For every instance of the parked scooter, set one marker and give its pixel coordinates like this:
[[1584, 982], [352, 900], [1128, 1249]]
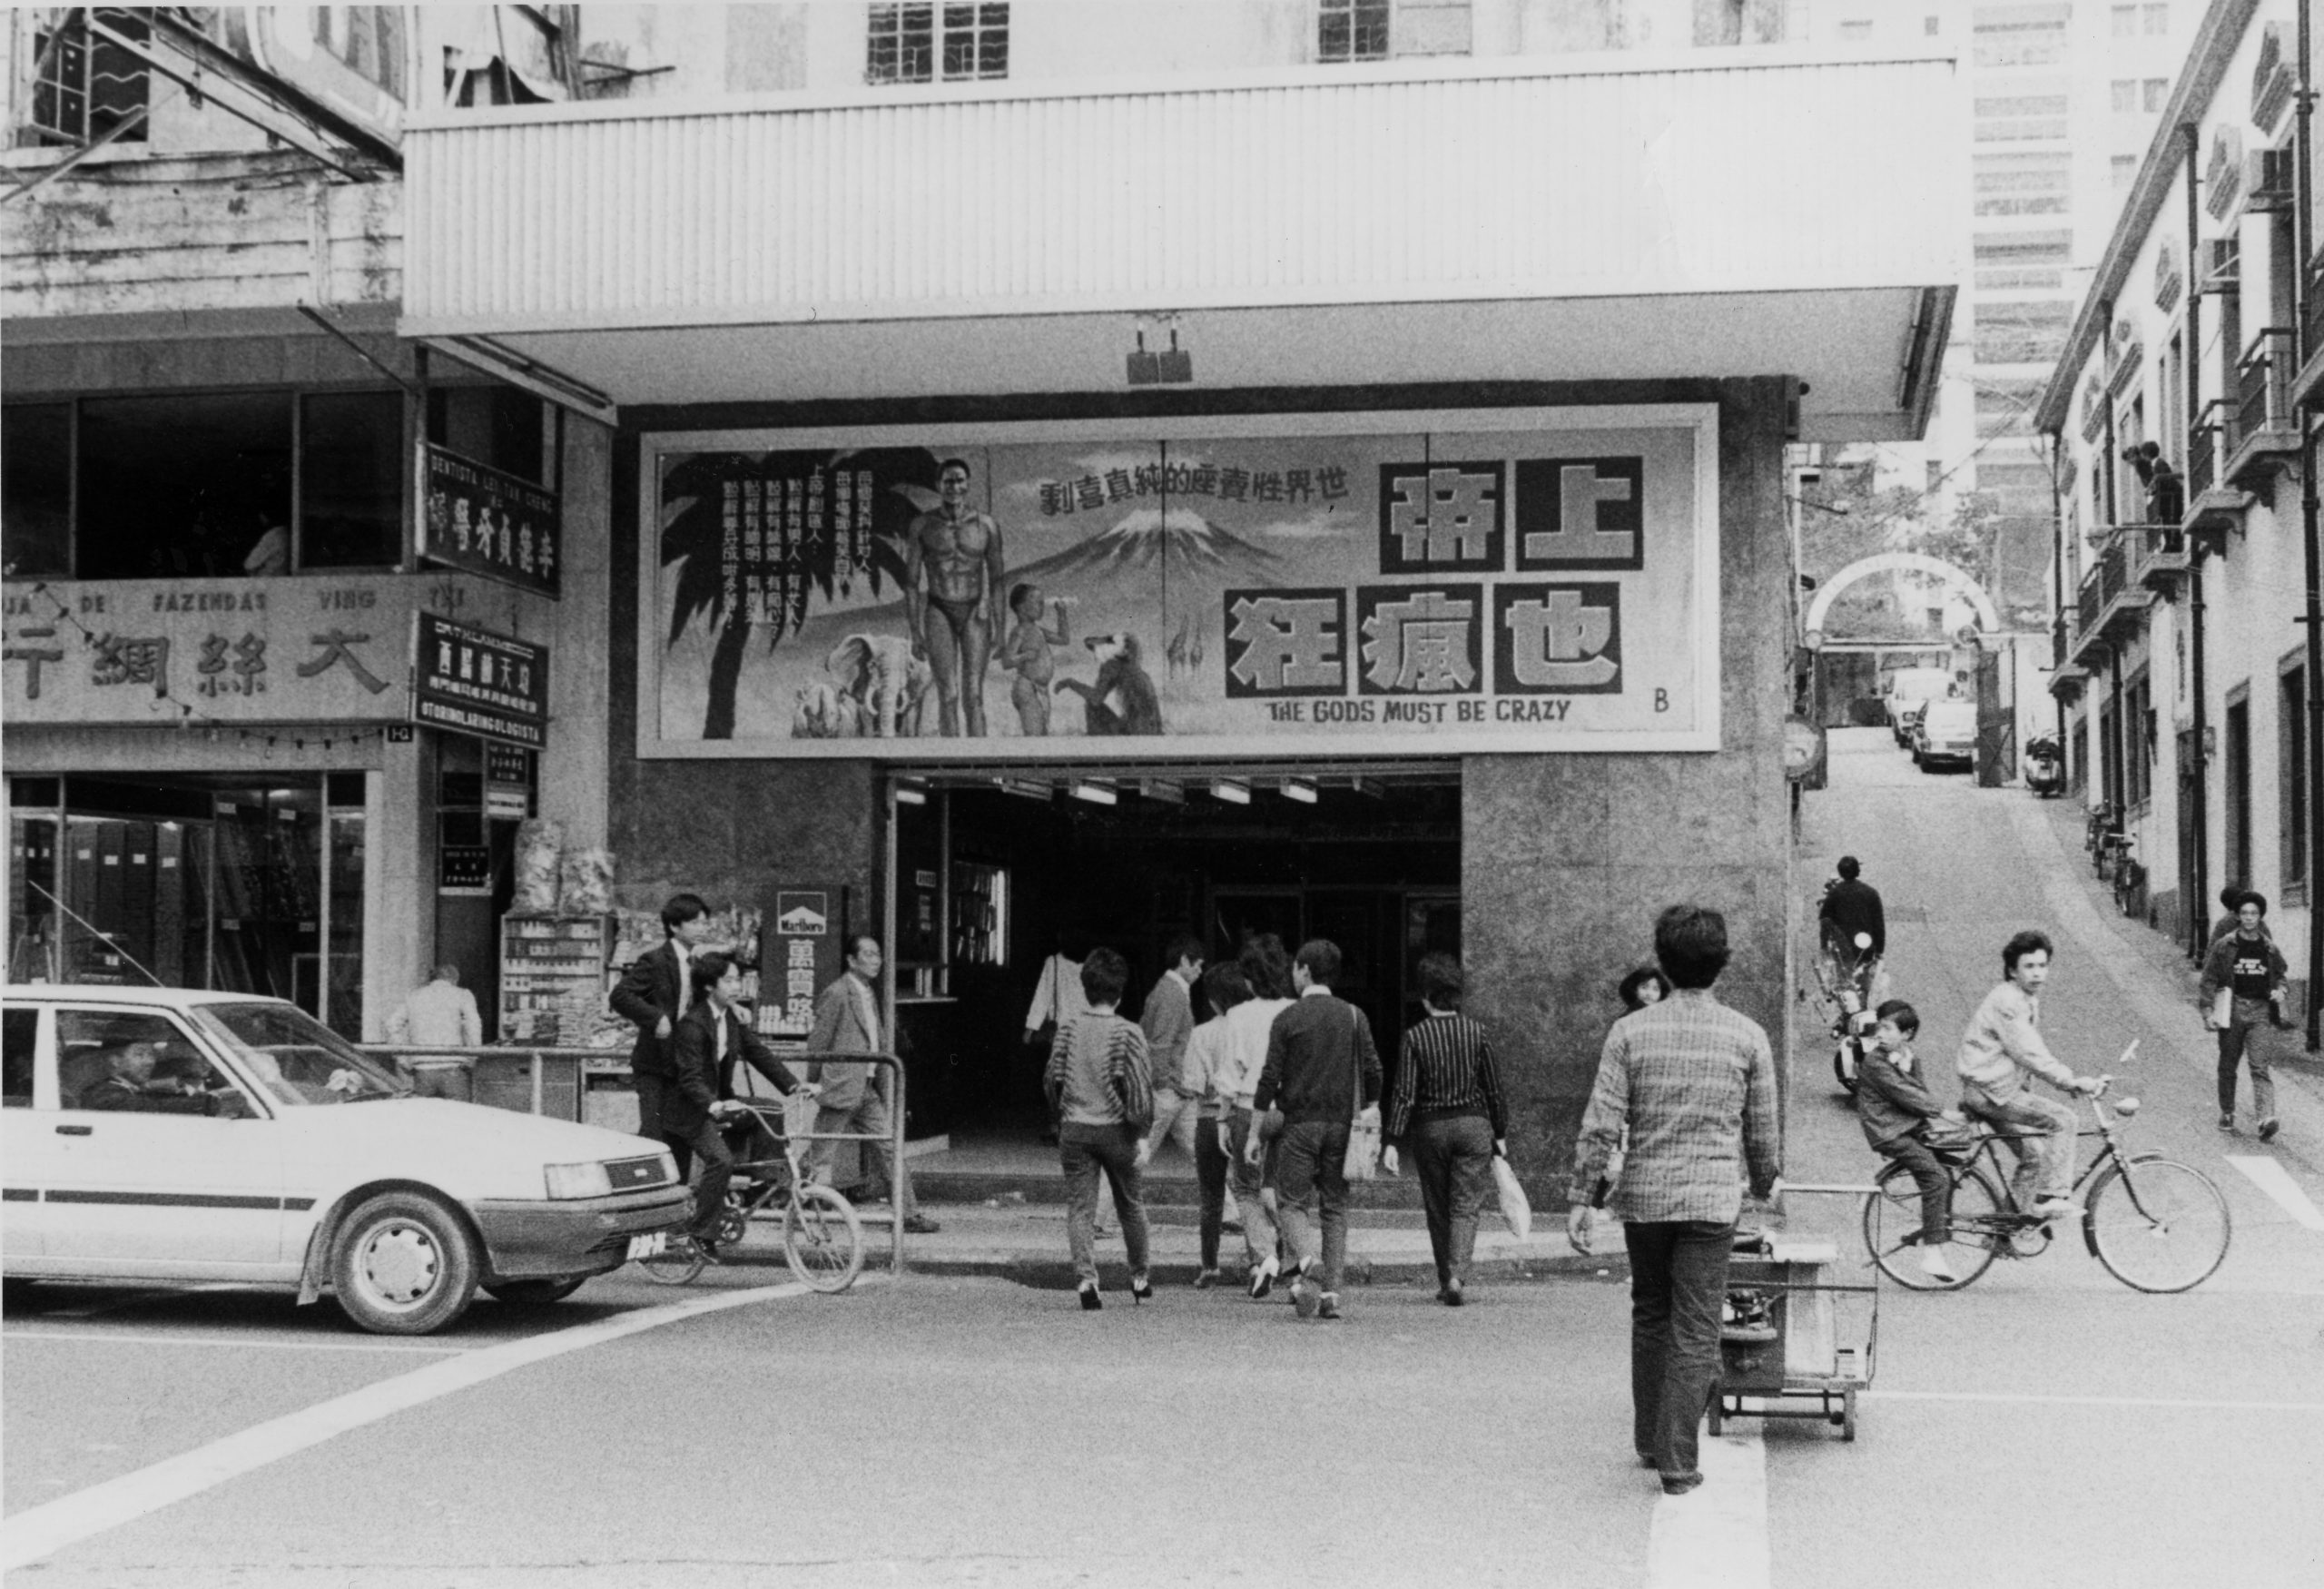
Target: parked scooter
[[2045, 770], [1845, 974]]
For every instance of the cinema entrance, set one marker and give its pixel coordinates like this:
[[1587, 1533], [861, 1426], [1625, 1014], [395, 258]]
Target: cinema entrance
[[1005, 879]]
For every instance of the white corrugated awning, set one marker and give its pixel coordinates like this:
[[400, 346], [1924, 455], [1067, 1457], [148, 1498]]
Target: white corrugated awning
[[1605, 219]]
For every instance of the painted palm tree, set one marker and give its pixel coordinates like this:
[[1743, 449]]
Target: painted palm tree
[[693, 494]]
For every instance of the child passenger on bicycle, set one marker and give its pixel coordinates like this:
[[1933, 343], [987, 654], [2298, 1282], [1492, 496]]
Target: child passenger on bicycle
[[1897, 1109]]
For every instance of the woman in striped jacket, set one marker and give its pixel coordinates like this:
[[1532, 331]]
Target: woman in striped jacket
[[1447, 1106]]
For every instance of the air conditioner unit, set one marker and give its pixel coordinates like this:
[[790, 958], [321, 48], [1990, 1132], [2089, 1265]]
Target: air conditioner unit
[[2222, 264], [2268, 176]]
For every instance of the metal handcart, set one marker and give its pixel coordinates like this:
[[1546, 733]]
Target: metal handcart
[[1796, 1341]]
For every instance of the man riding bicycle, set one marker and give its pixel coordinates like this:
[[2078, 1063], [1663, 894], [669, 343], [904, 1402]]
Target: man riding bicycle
[[2001, 1050]]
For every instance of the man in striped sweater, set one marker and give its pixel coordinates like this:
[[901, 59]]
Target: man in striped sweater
[[1322, 1068]]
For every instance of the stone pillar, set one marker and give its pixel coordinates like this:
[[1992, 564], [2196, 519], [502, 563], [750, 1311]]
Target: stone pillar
[[574, 770]]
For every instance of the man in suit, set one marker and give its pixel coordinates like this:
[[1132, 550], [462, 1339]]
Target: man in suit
[[707, 1040], [847, 1022], [653, 994]]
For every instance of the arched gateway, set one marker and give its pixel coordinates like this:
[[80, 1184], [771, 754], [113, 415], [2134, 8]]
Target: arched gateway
[[1988, 616]]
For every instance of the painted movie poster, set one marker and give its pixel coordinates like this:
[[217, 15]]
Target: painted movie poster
[[1327, 585]]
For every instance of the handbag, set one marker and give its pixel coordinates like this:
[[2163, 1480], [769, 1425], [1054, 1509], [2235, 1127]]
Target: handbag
[[1513, 1205], [1362, 1159]]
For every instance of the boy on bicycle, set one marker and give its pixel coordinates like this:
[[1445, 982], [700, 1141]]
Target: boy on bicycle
[[1896, 1108], [2001, 1050]]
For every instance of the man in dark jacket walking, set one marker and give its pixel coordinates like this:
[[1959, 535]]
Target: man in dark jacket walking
[[1851, 908], [1321, 1068]]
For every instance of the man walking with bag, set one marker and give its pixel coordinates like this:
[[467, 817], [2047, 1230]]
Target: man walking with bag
[[1695, 1084], [847, 1022], [1324, 1071]]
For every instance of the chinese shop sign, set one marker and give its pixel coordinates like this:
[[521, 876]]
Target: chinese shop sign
[[180, 652], [802, 955], [1458, 582], [481, 520], [480, 683]]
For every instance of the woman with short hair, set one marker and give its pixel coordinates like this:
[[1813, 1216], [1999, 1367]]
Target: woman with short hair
[[1447, 1106]]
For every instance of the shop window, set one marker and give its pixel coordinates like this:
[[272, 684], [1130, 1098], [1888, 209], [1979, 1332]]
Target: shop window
[[350, 484], [937, 42], [502, 425], [179, 485], [1352, 30], [87, 85], [36, 489], [19, 1041]]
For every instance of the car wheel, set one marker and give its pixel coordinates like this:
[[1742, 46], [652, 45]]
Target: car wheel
[[403, 1265], [536, 1293]]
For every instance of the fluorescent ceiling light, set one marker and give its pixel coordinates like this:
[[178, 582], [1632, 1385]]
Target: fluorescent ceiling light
[[1300, 789], [1094, 792], [1233, 790], [1023, 788], [1166, 792], [911, 792]]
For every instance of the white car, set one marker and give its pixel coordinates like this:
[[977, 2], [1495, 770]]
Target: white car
[[165, 1134]]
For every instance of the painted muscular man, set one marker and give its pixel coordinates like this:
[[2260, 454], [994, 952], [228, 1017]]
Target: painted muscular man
[[952, 563]]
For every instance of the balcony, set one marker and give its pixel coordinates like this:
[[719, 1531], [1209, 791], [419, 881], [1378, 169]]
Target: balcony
[[2214, 506], [2111, 607], [2267, 431], [2311, 373], [2159, 559]]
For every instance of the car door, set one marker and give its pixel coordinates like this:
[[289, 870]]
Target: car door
[[139, 1191], [27, 1144]]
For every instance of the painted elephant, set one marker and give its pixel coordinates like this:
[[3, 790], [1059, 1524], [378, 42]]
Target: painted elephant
[[885, 680]]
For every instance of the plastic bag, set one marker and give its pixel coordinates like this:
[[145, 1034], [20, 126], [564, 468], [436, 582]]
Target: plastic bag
[[1513, 1205], [589, 878], [538, 844]]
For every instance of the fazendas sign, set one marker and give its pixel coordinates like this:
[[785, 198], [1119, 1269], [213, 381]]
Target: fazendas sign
[[1457, 582]]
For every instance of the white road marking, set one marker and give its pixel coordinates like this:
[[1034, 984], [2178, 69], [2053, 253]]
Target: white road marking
[[40, 1531], [2188, 1403], [240, 1343], [1716, 1536], [2272, 1178]]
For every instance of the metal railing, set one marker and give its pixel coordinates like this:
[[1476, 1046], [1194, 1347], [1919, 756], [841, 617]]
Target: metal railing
[[543, 1058], [2263, 384], [2209, 440]]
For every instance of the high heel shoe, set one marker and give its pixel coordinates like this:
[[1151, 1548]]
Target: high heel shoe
[[1090, 1302], [1141, 1290]]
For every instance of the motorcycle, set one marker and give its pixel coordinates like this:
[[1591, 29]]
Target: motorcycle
[[1845, 974], [2045, 772]]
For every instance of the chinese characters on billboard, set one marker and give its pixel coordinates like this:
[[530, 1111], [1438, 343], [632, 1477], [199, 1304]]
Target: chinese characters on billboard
[[480, 683], [1545, 580], [483, 521]]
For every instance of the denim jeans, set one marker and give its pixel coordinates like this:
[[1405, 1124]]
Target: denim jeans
[[1935, 1184], [1084, 1150], [1210, 1183], [1251, 1191], [2239, 1039], [2041, 1133], [1307, 1164], [1175, 1115], [1677, 1281], [1453, 1158]]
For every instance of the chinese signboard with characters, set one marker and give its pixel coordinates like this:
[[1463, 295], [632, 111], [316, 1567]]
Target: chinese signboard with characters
[[484, 521], [172, 653], [480, 683], [799, 958], [1458, 582]]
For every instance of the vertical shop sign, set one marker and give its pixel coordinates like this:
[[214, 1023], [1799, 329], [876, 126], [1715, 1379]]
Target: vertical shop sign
[[482, 520], [509, 782], [479, 682], [806, 957]]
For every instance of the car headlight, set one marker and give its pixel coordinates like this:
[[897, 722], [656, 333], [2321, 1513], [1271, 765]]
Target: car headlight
[[580, 1180]]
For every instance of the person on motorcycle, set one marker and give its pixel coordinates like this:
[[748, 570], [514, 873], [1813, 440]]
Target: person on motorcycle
[[1852, 906], [2000, 1050], [1895, 1106]]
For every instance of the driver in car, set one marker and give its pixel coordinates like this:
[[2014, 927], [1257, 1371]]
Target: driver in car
[[131, 1085]]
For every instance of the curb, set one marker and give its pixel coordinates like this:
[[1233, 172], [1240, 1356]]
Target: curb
[[1047, 1269]]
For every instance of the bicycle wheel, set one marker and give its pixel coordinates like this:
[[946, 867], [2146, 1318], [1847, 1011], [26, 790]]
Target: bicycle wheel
[[678, 1262], [822, 1238], [2158, 1225], [1892, 1221]]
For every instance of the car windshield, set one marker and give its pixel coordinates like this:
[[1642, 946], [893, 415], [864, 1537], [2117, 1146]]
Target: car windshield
[[1952, 717], [296, 1057]]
